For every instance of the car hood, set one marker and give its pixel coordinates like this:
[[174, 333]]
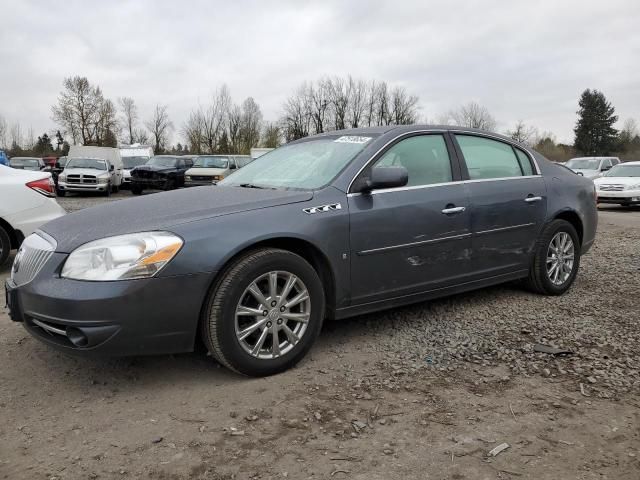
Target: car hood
[[161, 211], [206, 171], [152, 168], [86, 171], [617, 181], [587, 173]]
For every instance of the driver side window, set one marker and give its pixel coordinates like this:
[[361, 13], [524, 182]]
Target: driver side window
[[424, 156]]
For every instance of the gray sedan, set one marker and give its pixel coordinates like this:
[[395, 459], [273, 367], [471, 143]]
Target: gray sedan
[[326, 227]]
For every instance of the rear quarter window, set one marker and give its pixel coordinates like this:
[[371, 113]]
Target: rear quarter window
[[486, 158]]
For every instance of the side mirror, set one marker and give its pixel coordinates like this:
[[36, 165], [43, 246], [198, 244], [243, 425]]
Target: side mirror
[[386, 177], [604, 169], [232, 166], [111, 168]]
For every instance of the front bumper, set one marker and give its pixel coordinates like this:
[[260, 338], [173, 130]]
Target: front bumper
[[82, 187], [149, 182], [622, 196], [121, 318]]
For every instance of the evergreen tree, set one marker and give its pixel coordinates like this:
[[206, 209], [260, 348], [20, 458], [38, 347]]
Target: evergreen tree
[[594, 130], [43, 146]]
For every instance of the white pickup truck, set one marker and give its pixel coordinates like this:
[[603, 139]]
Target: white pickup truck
[[91, 169]]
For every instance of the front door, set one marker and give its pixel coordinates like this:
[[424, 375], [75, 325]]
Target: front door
[[415, 238], [508, 204]]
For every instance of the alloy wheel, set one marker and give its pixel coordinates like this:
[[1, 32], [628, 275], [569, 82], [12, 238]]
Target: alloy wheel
[[272, 314], [560, 258]]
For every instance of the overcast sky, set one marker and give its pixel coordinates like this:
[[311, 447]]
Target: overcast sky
[[522, 60]]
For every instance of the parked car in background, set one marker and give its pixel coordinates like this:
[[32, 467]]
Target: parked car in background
[[210, 169], [91, 169], [591, 167], [133, 156], [334, 225], [26, 203], [258, 152], [164, 172], [620, 185], [34, 164], [50, 162], [4, 160]]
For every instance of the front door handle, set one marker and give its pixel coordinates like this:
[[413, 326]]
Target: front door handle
[[450, 210], [532, 199]]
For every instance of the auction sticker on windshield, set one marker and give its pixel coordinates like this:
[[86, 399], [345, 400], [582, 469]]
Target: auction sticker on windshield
[[352, 139]]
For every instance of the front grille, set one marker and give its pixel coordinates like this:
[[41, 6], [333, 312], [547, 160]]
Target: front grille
[[33, 254], [86, 179], [201, 178], [612, 188]]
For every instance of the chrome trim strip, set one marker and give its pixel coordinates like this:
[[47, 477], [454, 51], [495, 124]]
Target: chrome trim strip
[[458, 182], [504, 229], [49, 328], [453, 132], [413, 244]]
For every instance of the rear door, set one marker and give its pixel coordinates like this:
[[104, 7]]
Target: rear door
[[414, 238], [508, 203]]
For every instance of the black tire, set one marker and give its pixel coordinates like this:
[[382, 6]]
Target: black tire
[[218, 329], [5, 245], [107, 192], [136, 189], [61, 193], [538, 279]]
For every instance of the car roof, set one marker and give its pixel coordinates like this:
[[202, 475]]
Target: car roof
[[635, 163], [410, 128]]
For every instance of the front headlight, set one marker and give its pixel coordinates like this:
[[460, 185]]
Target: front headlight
[[125, 257], [103, 179], [62, 177], [187, 178], [633, 187]]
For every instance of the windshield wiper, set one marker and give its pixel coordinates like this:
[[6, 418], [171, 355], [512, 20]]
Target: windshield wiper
[[252, 185]]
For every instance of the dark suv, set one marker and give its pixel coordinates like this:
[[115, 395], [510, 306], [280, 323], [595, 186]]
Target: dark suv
[[164, 172]]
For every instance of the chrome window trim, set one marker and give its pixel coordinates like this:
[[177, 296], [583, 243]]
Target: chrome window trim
[[453, 132], [457, 182]]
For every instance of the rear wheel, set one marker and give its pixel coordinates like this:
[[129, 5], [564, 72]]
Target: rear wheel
[[264, 314], [169, 184], [5, 245], [557, 259]]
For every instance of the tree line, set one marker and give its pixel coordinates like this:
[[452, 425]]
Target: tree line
[[85, 116]]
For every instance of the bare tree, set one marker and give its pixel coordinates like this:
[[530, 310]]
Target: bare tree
[[15, 136], [234, 128], [251, 125], [140, 135], [193, 131], [523, 133], [271, 136], [214, 117], [78, 109], [3, 132], [129, 116], [160, 127], [473, 115], [296, 119]]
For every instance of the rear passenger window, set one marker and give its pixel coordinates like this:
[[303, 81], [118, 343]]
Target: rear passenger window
[[486, 158], [425, 157], [525, 162]]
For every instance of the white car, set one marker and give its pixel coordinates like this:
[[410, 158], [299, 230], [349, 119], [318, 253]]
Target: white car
[[620, 185], [26, 202], [592, 167]]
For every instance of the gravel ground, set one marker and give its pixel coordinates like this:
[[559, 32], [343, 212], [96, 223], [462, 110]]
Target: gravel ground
[[420, 392]]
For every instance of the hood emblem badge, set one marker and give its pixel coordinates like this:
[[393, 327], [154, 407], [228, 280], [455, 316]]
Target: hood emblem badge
[[322, 208]]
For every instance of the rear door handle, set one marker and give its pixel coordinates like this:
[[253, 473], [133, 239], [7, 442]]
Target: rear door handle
[[532, 199], [449, 211]]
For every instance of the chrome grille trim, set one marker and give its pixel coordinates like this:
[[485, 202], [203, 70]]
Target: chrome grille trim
[[34, 252], [612, 188]]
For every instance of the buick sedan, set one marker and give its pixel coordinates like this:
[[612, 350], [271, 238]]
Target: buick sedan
[[326, 227]]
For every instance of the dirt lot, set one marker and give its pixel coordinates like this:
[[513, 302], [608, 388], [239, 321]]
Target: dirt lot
[[421, 392]]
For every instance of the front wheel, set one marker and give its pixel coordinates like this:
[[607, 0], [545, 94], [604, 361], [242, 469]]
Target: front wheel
[[5, 245], [265, 312], [557, 259], [136, 189]]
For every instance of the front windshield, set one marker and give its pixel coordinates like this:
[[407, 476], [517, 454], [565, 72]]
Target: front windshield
[[162, 161], [308, 165], [130, 162], [583, 164], [94, 163], [211, 162], [624, 171], [25, 163]]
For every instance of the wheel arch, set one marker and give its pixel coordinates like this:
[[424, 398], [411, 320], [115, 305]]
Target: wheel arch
[[574, 219]]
